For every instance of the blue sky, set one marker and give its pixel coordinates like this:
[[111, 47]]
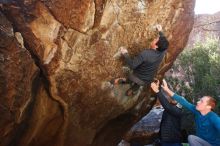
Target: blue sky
[[207, 6]]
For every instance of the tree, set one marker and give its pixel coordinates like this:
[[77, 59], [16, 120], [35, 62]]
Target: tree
[[198, 71]]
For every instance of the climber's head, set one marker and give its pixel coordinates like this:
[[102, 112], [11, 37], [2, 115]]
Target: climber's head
[[162, 44], [159, 43], [153, 44]]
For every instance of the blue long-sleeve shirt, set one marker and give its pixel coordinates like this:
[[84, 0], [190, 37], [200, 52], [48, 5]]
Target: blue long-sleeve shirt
[[207, 126]]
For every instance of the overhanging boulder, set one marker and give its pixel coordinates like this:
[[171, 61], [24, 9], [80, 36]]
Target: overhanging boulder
[[72, 44]]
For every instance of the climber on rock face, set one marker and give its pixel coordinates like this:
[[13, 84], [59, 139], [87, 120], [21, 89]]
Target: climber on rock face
[[145, 64]]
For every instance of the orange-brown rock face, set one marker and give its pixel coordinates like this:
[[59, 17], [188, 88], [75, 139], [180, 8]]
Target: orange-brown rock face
[[55, 55], [17, 74]]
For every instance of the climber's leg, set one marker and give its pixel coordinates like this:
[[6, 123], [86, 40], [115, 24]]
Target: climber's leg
[[119, 81], [132, 90]]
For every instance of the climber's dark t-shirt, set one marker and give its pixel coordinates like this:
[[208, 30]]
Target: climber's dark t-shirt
[[145, 65]]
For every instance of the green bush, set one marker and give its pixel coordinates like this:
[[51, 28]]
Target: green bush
[[200, 67]]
